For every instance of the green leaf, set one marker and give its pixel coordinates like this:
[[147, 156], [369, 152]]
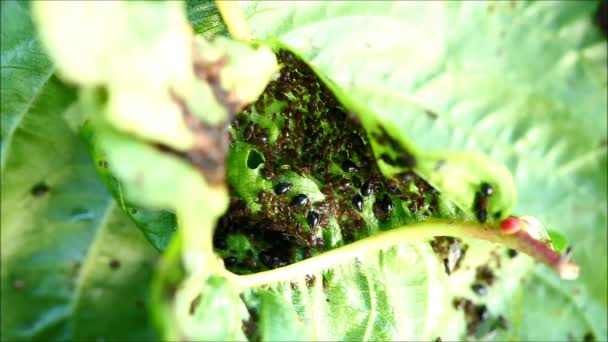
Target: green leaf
[[205, 18], [61, 232], [516, 80]]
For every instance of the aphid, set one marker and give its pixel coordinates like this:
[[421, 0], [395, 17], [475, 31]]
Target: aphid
[[511, 225], [406, 160], [356, 141], [482, 215], [357, 202], [39, 189], [502, 323], [312, 218], [300, 200], [386, 204], [479, 289], [387, 159], [482, 312], [349, 166], [282, 188], [512, 253], [367, 189], [356, 182], [486, 189], [229, 261], [393, 189], [438, 339], [307, 253]]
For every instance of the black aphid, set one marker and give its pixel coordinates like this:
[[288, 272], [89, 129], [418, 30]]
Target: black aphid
[[349, 166], [282, 187], [300, 200], [479, 289], [387, 159], [367, 189], [357, 202], [446, 266], [220, 243], [406, 160], [39, 189], [386, 204], [502, 323], [482, 312], [486, 189], [229, 261], [393, 189], [482, 215], [313, 219], [512, 253]]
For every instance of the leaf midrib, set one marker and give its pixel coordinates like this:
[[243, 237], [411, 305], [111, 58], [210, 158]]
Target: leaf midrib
[[19, 119], [87, 263]]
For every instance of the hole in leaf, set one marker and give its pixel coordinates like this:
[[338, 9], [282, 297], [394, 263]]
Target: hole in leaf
[[254, 159]]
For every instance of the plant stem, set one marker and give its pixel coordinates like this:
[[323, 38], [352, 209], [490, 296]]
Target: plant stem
[[235, 20], [521, 241]]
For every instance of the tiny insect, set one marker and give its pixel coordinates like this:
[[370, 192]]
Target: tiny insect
[[406, 160], [482, 312], [482, 215], [387, 204], [229, 261], [357, 202], [486, 189], [313, 219], [282, 188], [393, 189], [479, 289], [300, 200], [367, 189], [349, 166]]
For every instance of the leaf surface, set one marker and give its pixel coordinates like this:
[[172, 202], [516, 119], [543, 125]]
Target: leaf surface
[[68, 255], [523, 82]]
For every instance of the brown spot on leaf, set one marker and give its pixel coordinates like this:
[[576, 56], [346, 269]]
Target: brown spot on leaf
[[114, 264], [194, 304], [431, 114], [19, 284]]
